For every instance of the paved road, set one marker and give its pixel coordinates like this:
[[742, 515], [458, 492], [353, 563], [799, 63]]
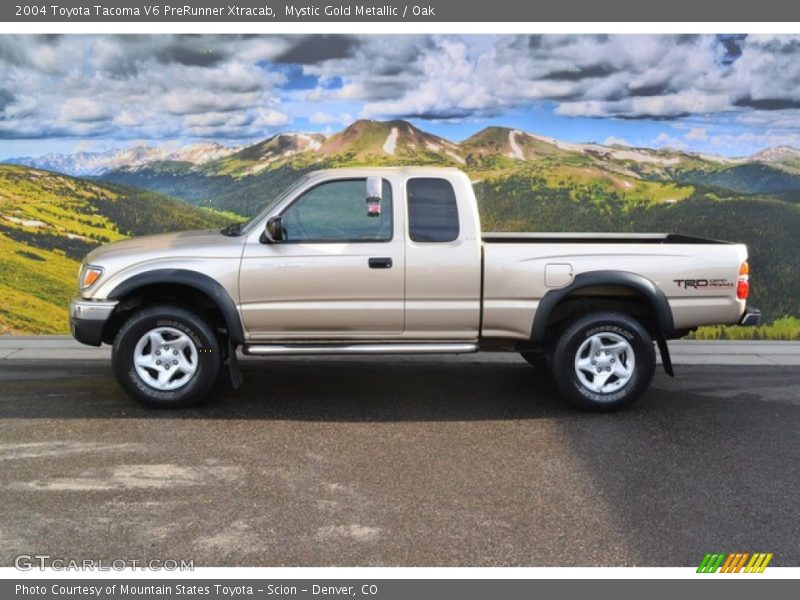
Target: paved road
[[423, 461], [683, 352]]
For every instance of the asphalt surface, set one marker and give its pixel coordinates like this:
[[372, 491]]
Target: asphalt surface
[[683, 352], [399, 461]]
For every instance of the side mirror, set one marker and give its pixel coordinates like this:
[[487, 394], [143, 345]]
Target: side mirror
[[273, 231], [374, 196]]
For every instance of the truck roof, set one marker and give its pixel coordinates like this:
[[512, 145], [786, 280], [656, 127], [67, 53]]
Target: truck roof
[[416, 171]]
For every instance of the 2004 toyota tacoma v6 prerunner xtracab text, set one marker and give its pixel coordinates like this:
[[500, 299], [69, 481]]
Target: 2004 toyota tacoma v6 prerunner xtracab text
[[390, 261]]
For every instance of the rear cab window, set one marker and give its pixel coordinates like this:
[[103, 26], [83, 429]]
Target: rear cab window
[[432, 210]]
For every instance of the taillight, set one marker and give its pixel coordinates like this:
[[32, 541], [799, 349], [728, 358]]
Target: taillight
[[743, 286]]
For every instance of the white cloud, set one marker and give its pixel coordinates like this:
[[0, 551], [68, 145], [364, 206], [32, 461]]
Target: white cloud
[[82, 110], [590, 76], [664, 140], [753, 141], [454, 84], [211, 119], [140, 86], [24, 107], [627, 76], [615, 141], [270, 117], [696, 134], [323, 118], [666, 106], [180, 102]]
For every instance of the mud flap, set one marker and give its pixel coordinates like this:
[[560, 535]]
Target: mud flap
[[233, 366], [666, 361]]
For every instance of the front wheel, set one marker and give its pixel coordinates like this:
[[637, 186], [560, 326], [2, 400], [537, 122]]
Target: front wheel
[[166, 357], [604, 361]]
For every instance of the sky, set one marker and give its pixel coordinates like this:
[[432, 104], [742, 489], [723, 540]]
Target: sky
[[731, 95]]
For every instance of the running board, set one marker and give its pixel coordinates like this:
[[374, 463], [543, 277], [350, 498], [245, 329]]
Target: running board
[[311, 349]]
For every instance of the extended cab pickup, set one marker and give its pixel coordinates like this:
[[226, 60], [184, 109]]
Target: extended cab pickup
[[392, 260]]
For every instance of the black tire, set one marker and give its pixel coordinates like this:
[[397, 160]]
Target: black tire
[[207, 360], [539, 360], [579, 336]]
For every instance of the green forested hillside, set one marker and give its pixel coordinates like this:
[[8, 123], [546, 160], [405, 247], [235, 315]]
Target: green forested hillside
[[243, 195], [749, 178], [48, 222]]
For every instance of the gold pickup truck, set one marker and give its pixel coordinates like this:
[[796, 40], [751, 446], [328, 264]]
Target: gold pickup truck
[[393, 261]]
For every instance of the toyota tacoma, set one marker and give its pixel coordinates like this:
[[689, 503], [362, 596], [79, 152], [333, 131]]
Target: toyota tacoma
[[370, 261]]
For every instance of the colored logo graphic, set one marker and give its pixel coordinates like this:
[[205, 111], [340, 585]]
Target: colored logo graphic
[[735, 562]]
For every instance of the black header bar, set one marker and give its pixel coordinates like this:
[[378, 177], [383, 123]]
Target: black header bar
[[315, 11]]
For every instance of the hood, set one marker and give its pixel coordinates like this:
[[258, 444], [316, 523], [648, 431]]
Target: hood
[[207, 242]]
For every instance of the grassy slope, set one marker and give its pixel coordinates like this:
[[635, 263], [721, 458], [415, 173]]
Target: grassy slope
[[783, 329], [49, 221]]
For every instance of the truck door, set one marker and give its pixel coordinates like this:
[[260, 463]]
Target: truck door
[[443, 260], [339, 273]]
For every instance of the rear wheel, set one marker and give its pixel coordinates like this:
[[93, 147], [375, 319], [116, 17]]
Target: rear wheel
[[166, 357], [604, 361]]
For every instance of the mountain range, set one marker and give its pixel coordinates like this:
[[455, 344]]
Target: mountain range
[[399, 141], [81, 164], [237, 181]]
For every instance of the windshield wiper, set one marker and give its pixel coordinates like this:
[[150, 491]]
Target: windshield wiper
[[232, 230]]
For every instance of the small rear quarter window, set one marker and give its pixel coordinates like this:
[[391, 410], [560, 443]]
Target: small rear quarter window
[[432, 210]]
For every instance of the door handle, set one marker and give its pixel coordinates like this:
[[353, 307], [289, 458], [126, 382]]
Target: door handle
[[383, 262]]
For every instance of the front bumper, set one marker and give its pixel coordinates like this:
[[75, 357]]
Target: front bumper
[[751, 317], [87, 319]]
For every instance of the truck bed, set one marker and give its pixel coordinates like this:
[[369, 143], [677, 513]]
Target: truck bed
[[520, 268], [594, 238]]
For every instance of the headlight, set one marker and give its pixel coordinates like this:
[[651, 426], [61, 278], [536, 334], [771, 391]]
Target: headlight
[[89, 276]]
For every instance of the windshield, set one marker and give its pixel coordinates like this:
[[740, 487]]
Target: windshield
[[243, 228]]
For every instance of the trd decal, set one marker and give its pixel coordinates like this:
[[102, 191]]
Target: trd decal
[[703, 283]]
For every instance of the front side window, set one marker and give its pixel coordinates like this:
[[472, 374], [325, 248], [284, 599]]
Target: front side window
[[432, 210], [336, 211]]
